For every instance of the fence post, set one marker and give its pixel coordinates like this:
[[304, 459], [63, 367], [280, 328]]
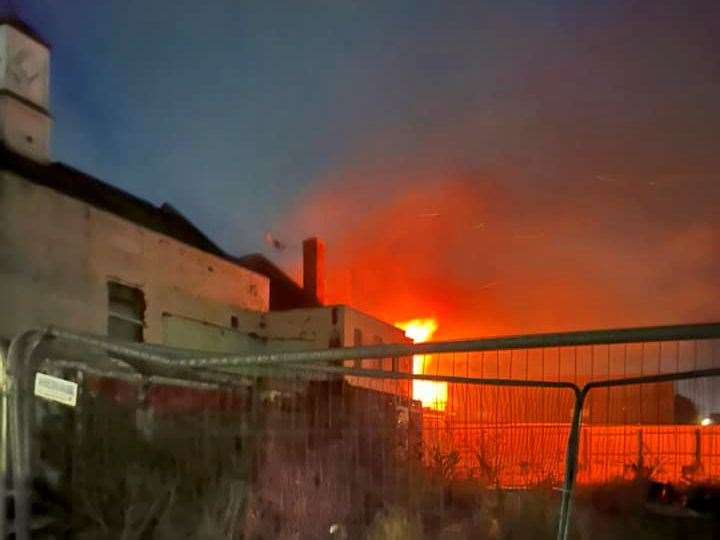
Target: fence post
[[571, 460], [19, 387], [4, 346]]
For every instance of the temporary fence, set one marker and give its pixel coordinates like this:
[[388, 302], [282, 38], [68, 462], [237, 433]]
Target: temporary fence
[[525, 455], [305, 444]]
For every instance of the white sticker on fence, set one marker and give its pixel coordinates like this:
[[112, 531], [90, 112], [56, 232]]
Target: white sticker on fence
[[56, 389]]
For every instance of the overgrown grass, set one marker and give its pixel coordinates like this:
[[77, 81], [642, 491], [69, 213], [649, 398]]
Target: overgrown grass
[[280, 470]]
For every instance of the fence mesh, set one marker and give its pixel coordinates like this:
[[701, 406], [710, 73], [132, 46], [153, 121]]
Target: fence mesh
[[294, 455], [647, 480], [357, 449]]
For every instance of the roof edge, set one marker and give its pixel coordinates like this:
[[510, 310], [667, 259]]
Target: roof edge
[[21, 26]]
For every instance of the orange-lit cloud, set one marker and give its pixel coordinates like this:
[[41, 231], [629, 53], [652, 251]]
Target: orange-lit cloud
[[485, 255]]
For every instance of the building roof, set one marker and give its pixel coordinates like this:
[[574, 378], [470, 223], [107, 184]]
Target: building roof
[[83, 187], [285, 293], [9, 15], [164, 219]]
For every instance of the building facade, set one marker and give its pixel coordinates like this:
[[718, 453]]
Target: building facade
[[80, 253]]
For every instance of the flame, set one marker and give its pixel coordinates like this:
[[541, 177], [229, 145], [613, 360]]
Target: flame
[[419, 330], [431, 394]]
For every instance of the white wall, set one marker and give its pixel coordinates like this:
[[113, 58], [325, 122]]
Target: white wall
[[57, 254], [189, 333], [314, 326], [322, 326], [24, 71], [24, 129], [319, 327], [20, 52], [373, 330]]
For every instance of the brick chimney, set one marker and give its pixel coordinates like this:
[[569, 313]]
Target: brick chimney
[[314, 268]]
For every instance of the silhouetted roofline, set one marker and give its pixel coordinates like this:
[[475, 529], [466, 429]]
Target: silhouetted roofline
[[13, 20], [103, 196], [288, 294], [165, 219]]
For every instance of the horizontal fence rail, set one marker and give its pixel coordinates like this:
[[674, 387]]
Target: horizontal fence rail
[[530, 341], [495, 409]]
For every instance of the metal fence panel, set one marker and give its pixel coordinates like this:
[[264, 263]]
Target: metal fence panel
[[486, 441], [309, 452], [647, 480]]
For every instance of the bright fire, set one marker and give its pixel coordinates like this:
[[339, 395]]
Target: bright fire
[[431, 394]]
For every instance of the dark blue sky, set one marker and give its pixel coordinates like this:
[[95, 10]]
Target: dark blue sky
[[243, 113]]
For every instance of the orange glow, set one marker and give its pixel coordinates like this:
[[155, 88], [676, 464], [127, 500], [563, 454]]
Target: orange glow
[[431, 394], [419, 330], [607, 453]]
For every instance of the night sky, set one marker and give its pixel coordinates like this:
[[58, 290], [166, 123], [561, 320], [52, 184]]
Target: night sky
[[503, 166]]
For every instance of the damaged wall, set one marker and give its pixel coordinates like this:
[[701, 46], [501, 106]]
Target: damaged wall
[[189, 333], [322, 327], [58, 255]]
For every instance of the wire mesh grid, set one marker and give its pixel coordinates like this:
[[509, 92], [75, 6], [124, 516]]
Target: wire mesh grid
[[306, 453], [476, 444]]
